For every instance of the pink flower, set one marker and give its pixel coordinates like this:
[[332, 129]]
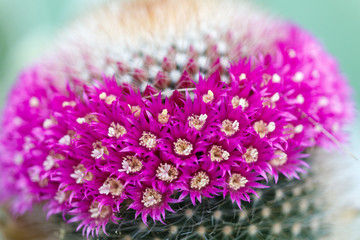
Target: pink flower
[[240, 182], [153, 202], [199, 180]]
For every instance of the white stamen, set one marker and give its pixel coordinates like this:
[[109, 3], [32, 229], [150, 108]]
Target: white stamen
[[251, 155], [298, 77], [102, 96], [166, 172], [151, 197], [97, 153], [60, 197], [68, 103], [242, 76], [208, 97], [34, 102], [299, 128], [300, 99], [49, 163], [48, 123], [80, 120], [18, 159], [276, 78], [34, 173], [292, 53], [275, 97], [65, 140], [323, 102], [183, 147]]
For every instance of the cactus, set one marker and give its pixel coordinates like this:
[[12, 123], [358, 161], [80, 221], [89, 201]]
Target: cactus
[[287, 210], [195, 133]]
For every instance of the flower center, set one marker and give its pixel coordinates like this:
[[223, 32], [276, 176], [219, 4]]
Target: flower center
[[108, 99], [81, 174], [89, 118], [263, 129], [104, 212], [112, 186], [65, 140], [135, 109], [199, 181], [116, 130], [68, 103], [270, 101], [163, 117], [182, 147], [62, 196], [230, 127], [148, 140], [167, 172], [290, 130], [239, 102], [251, 155], [280, 158], [208, 97], [151, 197], [237, 181], [218, 154], [197, 121], [99, 150], [131, 164], [49, 163]]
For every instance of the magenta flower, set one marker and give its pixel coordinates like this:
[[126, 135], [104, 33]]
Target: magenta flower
[[153, 202], [92, 215], [210, 90], [288, 162], [165, 171], [182, 145], [197, 116], [202, 179], [222, 154], [240, 182], [145, 138]]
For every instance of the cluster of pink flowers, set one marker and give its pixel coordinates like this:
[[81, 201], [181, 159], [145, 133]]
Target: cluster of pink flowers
[[87, 150]]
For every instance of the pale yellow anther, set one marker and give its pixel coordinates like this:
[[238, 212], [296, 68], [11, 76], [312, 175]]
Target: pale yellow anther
[[242, 76], [276, 78], [279, 159], [237, 181], [229, 127], [151, 197], [148, 140], [208, 97], [183, 147], [163, 117], [251, 155], [102, 95], [116, 130], [197, 121], [135, 109], [218, 154], [112, 186], [263, 129], [166, 172], [200, 180], [239, 102]]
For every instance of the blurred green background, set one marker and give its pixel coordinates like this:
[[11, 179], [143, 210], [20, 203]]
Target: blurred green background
[[28, 26]]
